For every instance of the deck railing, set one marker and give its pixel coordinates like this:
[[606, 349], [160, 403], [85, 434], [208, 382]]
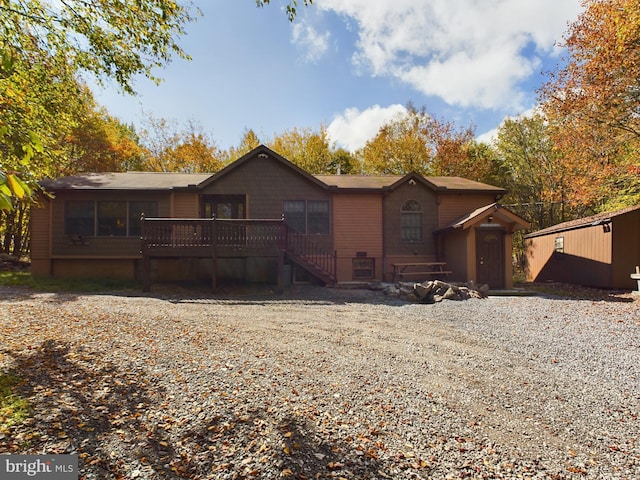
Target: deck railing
[[210, 232], [171, 234]]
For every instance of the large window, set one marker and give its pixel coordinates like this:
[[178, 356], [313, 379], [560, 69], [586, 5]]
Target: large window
[[113, 218], [79, 218], [307, 216], [411, 221]]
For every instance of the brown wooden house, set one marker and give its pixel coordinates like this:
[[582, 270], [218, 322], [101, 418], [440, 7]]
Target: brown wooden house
[[263, 219], [599, 251]]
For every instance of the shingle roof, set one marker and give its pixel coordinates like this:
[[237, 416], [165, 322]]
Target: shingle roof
[[126, 181], [377, 182], [582, 222]]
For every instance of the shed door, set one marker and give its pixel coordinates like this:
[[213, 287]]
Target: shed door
[[490, 258]]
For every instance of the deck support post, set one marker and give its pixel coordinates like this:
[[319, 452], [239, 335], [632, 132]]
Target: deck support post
[[146, 273], [282, 282]]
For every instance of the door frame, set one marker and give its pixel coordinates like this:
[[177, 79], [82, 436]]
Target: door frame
[[494, 272]]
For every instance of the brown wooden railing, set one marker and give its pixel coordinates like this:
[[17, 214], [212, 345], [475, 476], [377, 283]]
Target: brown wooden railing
[[210, 232], [201, 234], [308, 254]]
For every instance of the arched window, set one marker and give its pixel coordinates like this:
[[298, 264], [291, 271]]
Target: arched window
[[411, 221]]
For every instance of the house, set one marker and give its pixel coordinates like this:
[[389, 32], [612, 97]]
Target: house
[[599, 251], [263, 219]]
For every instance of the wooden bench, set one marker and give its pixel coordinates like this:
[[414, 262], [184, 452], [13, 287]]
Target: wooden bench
[[434, 270]]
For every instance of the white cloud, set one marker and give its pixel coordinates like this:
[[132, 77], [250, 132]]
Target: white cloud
[[306, 38], [470, 53], [352, 129]]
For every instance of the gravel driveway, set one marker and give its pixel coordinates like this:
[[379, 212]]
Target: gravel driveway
[[326, 383]]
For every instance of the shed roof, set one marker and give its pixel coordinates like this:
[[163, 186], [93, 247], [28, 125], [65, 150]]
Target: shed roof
[[591, 220]]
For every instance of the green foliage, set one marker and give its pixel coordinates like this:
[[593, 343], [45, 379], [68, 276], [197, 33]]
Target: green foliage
[[291, 8], [110, 38], [13, 409]]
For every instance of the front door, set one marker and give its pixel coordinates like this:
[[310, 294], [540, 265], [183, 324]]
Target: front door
[[224, 207], [490, 258]]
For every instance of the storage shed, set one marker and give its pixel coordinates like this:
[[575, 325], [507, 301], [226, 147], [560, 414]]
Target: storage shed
[[598, 251]]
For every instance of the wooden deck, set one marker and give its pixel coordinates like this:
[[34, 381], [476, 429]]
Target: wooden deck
[[225, 238]]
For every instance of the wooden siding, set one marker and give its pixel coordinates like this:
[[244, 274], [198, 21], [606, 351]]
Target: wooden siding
[[625, 249], [267, 184], [41, 237], [586, 258], [455, 205], [357, 227], [393, 243], [457, 251], [185, 205], [62, 245]]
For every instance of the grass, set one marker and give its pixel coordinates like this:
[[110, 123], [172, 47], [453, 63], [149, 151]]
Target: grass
[[13, 409], [49, 284]]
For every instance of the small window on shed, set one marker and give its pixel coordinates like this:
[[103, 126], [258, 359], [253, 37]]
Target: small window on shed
[[559, 245], [411, 221]]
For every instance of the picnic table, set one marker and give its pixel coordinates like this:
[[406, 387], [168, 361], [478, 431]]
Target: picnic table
[[435, 270]]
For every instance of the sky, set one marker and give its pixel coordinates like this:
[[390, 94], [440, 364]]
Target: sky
[[351, 66]]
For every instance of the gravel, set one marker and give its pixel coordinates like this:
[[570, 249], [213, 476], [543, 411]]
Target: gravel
[[326, 383]]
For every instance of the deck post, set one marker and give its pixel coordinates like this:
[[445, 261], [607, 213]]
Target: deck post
[[146, 273], [214, 242]]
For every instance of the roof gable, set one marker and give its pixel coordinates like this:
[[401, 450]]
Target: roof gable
[[492, 210], [257, 154]]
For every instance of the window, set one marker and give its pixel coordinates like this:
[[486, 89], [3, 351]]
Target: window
[[559, 245], [318, 217], [411, 221], [363, 268], [294, 214], [136, 209], [113, 218], [79, 218], [310, 217]]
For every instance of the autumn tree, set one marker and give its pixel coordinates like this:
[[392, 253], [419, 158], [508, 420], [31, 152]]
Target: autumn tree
[[593, 102], [306, 148], [415, 141], [249, 141], [532, 171], [170, 148]]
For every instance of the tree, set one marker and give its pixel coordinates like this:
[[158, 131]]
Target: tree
[[417, 142], [100, 143], [306, 148], [593, 102], [169, 149], [291, 8], [533, 171], [109, 38]]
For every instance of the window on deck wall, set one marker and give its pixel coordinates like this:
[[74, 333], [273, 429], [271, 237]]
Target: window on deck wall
[[307, 216], [411, 221], [79, 217], [114, 218]]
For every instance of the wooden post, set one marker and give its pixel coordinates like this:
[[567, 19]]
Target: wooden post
[[214, 243], [146, 273]]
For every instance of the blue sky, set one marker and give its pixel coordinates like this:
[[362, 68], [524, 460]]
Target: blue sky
[[352, 65]]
